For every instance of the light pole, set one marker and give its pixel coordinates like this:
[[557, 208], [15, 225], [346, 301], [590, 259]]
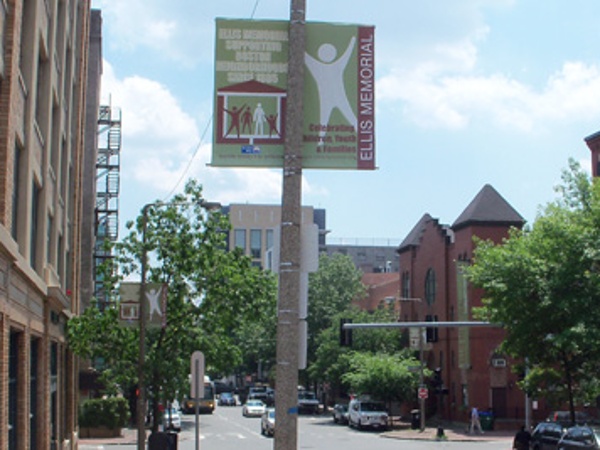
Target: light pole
[[141, 400]]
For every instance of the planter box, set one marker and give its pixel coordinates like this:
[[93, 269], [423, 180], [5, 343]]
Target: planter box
[[99, 432]]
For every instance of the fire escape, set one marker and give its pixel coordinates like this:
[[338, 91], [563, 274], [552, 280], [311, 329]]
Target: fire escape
[[108, 168]]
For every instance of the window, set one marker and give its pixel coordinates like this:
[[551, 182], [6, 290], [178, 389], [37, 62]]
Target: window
[[430, 287], [239, 239], [35, 200], [406, 284], [15, 194], [255, 243], [269, 239]]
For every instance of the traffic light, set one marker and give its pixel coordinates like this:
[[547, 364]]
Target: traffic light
[[345, 335]]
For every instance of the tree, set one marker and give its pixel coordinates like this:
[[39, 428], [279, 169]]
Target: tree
[[211, 291], [542, 284], [331, 289], [386, 377], [331, 361]]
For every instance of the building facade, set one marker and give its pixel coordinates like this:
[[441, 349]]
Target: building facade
[[43, 69], [253, 227], [433, 288]]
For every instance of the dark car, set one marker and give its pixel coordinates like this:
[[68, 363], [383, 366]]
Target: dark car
[[226, 399], [579, 437], [340, 413], [546, 436]]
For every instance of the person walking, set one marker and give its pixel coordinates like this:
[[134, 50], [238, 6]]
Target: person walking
[[475, 422], [522, 439]]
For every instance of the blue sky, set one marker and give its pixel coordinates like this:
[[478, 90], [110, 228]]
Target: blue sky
[[469, 92]]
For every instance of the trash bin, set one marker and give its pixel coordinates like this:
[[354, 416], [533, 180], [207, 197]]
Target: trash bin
[[415, 422], [162, 440], [487, 421]]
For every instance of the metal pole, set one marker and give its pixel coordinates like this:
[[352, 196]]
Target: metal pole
[[197, 403], [286, 389], [421, 379], [141, 404]]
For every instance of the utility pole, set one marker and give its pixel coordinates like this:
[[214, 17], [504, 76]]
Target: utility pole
[[286, 389]]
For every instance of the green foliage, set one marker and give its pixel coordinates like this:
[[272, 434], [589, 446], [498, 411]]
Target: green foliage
[[112, 412], [211, 291], [543, 284], [97, 335], [331, 289], [386, 377], [331, 362]]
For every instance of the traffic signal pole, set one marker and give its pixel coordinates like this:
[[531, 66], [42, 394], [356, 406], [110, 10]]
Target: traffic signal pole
[[286, 388]]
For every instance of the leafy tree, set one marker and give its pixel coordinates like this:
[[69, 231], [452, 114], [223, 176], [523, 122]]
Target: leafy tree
[[211, 291], [332, 362], [542, 284], [331, 289], [386, 377]]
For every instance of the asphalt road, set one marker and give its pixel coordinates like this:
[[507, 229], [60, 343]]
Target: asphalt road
[[227, 429]]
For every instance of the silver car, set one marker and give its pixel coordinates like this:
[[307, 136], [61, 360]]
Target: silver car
[[253, 408], [267, 422]]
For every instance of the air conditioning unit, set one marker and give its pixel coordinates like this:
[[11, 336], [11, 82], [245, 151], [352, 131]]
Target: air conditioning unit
[[498, 362]]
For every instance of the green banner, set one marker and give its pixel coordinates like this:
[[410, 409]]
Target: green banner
[[251, 93], [155, 306]]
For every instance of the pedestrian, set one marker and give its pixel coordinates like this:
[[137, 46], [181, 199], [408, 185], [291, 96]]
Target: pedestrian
[[522, 439], [475, 422]]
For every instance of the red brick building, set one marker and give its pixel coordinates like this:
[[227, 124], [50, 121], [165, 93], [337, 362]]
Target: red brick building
[[433, 288]]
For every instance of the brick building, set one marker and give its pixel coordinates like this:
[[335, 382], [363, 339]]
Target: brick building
[[43, 70], [434, 289]]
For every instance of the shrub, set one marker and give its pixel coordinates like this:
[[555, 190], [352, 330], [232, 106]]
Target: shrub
[[110, 412]]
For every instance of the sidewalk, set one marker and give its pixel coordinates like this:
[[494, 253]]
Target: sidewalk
[[450, 433], [128, 436]]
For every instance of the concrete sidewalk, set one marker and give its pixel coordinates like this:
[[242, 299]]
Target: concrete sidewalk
[[450, 433]]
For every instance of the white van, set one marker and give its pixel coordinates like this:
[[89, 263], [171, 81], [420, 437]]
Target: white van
[[367, 414]]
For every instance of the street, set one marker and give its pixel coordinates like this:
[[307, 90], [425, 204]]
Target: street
[[227, 429]]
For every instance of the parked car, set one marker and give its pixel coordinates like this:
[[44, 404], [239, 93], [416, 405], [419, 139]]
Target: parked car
[[546, 435], [564, 418], [367, 414], [226, 399], [579, 437], [172, 419], [253, 408], [267, 422], [307, 402], [340, 413]]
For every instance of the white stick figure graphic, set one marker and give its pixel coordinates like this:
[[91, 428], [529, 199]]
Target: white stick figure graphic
[[259, 120], [329, 76], [153, 296]]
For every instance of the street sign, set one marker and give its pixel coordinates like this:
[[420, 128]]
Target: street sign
[[423, 393], [197, 371]]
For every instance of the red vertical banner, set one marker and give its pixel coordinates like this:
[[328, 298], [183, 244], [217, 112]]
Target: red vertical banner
[[366, 98]]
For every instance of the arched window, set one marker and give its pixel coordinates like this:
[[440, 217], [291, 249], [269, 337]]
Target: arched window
[[430, 287]]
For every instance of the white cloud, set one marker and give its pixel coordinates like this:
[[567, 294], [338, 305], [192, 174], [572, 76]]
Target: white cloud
[[438, 98], [168, 32]]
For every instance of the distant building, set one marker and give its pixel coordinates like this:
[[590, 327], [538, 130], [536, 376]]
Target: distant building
[[433, 288], [253, 227], [368, 255]]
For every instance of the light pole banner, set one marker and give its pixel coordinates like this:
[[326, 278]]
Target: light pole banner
[[250, 95], [156, 306]]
